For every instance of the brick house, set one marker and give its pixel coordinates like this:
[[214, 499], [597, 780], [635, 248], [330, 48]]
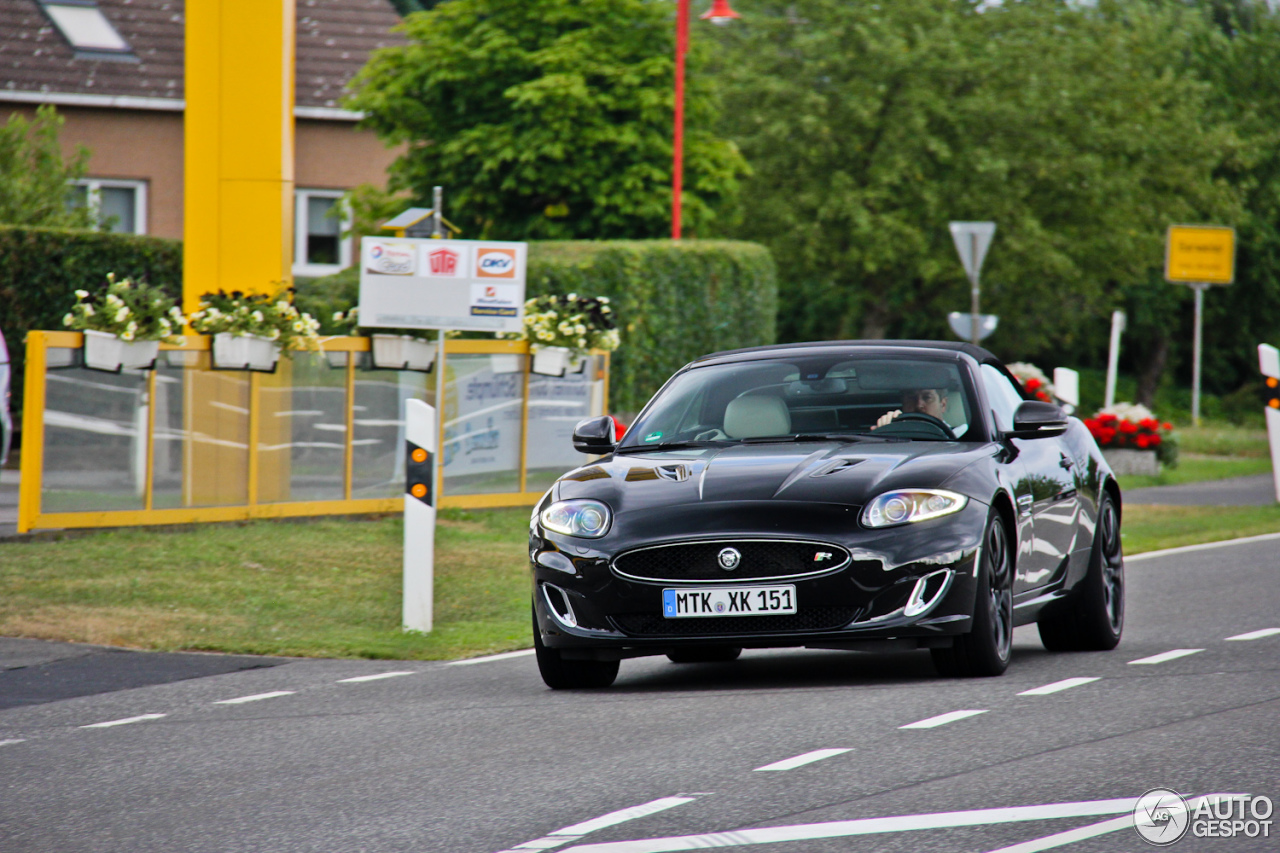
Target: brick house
[[114, 71]]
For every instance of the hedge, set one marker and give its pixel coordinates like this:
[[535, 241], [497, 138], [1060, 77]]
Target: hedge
[[673, 301], [41, 268]]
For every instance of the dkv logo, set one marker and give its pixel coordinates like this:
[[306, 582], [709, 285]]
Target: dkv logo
[[496, 263]]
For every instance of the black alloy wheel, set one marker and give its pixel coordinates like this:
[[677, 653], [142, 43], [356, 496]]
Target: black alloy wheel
[[705, 654], [1091, 619], [561, 674], [985, 650]]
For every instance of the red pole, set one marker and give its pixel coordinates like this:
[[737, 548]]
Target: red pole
[[677, 168]]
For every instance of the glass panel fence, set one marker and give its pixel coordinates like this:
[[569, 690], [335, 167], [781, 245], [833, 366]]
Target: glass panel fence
[[483, 402], [556, 405]]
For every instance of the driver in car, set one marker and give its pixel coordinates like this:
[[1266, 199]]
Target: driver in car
[[926, 401]]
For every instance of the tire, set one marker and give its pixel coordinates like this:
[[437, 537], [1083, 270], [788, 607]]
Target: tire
[[985, 650], [705, 654], [561, 674], [1091, 619]]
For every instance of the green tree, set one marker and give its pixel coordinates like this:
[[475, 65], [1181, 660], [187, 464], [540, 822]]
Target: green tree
[[34, 176], [870, 126], [546, 119]]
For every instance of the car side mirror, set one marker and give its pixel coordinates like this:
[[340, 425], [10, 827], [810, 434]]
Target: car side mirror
[[1037, 419], [594, 436]]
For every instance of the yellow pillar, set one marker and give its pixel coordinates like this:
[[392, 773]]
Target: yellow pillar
[[238, 184]]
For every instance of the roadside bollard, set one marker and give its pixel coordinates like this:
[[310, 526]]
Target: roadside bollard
[[1269, 361], [419, 515]]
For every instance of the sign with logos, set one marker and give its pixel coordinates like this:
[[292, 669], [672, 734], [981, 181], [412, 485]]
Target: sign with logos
[[1200, 254], [408, 283]]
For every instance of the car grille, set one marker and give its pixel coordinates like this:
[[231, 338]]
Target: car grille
[[808, 619], [698, 562]]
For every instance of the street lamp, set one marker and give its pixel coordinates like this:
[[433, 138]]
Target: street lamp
[[720, 13]]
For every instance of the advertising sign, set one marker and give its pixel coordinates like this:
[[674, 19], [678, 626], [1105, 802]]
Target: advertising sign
[[409, 283], [1200, 254]]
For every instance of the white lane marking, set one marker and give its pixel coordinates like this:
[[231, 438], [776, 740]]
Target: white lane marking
[[1256, 635], [126, 721], [1080, 833], [548, 843], [377, 677], [802, 760], [254, 698], [623, 815], [1166, 656], [864, 826], [504, 656], [12, 740], [1065, 684], [1187, 549], [941, 719]]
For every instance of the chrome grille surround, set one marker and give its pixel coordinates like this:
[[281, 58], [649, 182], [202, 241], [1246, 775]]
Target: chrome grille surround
[[694, 561]]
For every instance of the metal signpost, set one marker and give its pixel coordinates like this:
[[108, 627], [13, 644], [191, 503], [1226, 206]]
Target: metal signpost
[[1113, 357], [1199, 256], [962, 324], [972, 240]]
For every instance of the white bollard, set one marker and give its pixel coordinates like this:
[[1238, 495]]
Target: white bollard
[[419, 515], [1269, 361]]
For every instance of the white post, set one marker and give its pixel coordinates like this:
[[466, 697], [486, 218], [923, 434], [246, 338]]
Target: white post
[[1066, 386], [1269, 361], [1197, 346], [1113, 358], [419, 515]]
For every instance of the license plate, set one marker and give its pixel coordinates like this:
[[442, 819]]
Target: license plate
[[729, 601]]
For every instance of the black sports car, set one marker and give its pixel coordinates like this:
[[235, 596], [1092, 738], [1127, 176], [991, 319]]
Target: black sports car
[[855, 495]]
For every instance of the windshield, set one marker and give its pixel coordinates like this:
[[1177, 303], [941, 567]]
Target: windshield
[[812, 397]]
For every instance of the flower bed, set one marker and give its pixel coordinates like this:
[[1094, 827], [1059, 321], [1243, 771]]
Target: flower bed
[[1127, 426]]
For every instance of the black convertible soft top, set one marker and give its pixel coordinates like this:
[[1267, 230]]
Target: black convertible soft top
[[981, 355]]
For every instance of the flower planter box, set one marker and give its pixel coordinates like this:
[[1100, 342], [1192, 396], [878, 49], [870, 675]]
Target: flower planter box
[[556, 361], [1125, 461], [401, 352], [245, 352], [105, 351]]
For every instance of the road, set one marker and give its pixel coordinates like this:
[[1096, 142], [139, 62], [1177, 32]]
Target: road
[[331, 755]]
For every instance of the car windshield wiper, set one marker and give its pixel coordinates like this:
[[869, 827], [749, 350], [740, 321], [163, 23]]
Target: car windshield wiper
[[670, 445], [806, 436]]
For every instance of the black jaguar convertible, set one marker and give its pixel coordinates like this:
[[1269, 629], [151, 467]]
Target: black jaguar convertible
[[864, 495]]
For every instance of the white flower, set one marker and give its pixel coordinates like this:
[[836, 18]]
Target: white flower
[[580, 329], [582, 343], [122, 314], [571, 297], [114, 300], [88, 311], [126, 335], [603, 299], [68, 320], [337, 317], [275, 333], [258, 318], [81, 294]]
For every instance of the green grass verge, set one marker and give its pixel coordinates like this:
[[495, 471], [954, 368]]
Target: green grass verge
[[326, 588], [1196, 469], [1151, 528]]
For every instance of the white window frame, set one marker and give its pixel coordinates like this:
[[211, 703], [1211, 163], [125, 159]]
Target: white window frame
[[94, 201], [300, 267]]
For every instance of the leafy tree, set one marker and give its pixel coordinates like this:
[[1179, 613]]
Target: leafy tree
[[546, 119], [870, 126], [34, 176]]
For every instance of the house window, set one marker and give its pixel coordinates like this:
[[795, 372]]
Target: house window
[[119, 206], [86, 29], [319, 220]]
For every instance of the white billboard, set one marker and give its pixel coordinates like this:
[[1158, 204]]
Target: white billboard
[[408, 283]]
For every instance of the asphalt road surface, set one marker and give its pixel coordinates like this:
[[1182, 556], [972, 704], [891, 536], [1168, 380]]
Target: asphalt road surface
[[778, 752]]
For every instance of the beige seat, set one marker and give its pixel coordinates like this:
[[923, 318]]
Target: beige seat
[[755, 416]]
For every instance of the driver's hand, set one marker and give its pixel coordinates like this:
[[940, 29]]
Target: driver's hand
[[887, 417]]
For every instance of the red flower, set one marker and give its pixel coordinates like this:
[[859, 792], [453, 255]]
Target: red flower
[[1149, 423], [1154, 440], [1144, 441], [1107, 419], [1168, 426], [1106, 435], [1128, 427], [1033, 384]]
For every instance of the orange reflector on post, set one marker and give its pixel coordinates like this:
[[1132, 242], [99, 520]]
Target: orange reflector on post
[[418, 490], [419, 455]]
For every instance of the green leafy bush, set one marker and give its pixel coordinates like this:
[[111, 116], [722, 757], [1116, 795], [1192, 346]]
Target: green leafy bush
[[42, 268]]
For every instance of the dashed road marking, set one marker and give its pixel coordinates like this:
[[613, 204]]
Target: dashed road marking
[[1055, 687], [126, 721], [504, 656], [377, 677], [941, 719], [12, 740], [864, 826], [1256, 635], [1174, 654], [802, 760], [255, 697]]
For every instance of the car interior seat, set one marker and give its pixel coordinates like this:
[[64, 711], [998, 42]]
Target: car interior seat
[[756, 415]]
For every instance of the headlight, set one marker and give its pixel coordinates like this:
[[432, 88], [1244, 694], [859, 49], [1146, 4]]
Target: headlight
[[589, 519], [908, 505]]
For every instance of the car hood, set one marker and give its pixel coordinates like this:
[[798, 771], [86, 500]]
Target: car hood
[[819, 472]]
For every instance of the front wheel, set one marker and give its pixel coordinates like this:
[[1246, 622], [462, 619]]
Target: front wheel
[[561, 674], [985, 650], [1091, 619]]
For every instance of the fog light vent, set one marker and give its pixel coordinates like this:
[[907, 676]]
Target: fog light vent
[[558, 602], [928, 592]]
